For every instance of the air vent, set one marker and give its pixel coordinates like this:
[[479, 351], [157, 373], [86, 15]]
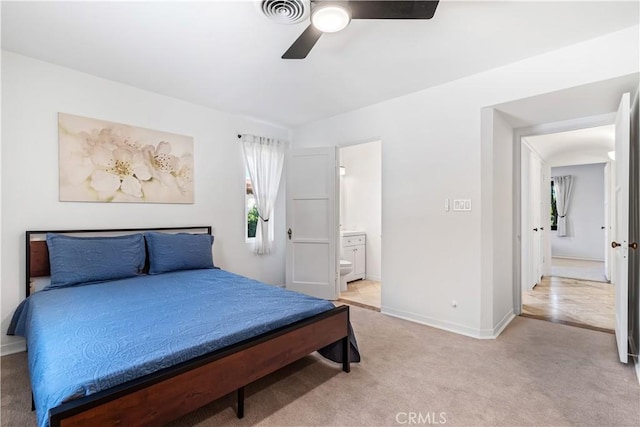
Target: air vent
[[285, 11]]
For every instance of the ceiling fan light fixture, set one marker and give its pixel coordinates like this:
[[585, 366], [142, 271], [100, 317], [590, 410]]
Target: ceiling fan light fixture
[[330, 18]]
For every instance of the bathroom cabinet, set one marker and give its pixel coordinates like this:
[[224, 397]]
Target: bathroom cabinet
[[354, 250]]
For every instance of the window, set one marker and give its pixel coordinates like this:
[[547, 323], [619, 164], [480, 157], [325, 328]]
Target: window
[[251, 211], [554, 208]]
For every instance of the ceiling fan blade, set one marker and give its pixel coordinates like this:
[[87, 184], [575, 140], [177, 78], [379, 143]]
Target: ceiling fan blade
[[389, 9], [303, 45]]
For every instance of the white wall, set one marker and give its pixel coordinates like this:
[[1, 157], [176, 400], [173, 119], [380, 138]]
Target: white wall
[[33, 92], [432, 151], [585, 238], [496, 215], [361, 194]]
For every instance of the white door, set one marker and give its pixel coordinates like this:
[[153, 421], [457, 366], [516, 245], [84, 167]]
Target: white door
[[539, 222], [620, 232], [530, 242], [312, 222], [535, 222], [607, 221]]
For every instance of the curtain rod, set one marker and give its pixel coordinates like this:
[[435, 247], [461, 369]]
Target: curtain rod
[[287, 142]]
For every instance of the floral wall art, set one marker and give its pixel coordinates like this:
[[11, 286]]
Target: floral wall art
[[103, 161]]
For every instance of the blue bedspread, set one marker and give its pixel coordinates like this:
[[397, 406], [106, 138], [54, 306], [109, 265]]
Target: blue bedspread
[[89, 338]]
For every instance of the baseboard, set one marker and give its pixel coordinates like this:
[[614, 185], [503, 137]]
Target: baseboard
[[502, 324], [636, 361], [450, 326], [435, 323], [13, 347], [490, 334], [577, 258], [373, 278]]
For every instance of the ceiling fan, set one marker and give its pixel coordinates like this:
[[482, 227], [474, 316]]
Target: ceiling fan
[[329, 16]]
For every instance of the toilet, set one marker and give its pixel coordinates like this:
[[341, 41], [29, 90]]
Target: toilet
[[345, 268]]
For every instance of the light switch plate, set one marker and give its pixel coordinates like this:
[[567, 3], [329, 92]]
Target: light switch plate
[[462, 205]]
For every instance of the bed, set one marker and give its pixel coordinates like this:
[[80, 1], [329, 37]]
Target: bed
[[148, 348]]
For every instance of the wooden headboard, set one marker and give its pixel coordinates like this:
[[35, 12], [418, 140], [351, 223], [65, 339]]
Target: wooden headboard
[[37, 253]]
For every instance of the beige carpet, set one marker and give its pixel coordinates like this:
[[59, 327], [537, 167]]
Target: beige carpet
[[535, 374]]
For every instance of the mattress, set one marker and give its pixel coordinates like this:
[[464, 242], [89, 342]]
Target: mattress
[[84, 339]]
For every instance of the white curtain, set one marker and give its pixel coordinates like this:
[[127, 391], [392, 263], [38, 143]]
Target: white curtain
[[563, 186], [264, 158]]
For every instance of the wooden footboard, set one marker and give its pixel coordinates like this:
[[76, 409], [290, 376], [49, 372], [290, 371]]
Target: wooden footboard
[[166, 395]]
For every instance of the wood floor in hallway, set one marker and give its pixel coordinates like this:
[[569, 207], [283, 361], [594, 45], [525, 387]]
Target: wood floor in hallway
[[363, 293], [573, 301]]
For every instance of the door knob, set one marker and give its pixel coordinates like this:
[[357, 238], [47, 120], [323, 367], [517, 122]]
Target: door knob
[[541, 228], [535, 229], [289, 233], [633, 245], [615, 244]]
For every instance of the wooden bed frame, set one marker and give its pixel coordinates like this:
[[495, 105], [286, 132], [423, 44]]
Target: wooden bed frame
[[165, 395]]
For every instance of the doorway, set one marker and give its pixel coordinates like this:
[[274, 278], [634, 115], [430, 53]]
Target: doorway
[[360, 188], [504, 126], [566, 221]]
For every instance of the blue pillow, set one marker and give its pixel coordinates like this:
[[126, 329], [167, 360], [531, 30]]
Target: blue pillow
[[181, 251], [76, 260]]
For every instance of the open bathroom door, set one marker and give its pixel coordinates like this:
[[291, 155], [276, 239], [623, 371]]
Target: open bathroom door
[[312, 222], [620, 232]]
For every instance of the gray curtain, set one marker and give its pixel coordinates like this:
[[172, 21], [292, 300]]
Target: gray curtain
[[563, 186]]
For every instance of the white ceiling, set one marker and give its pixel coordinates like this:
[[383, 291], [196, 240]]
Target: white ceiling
[[593, 99], [581, 146], [225, 55]]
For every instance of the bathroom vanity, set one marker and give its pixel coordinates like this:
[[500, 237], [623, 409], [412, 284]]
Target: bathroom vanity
[[353, 250]]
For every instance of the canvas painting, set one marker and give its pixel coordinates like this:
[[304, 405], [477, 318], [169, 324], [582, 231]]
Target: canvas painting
[[103, 161]]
